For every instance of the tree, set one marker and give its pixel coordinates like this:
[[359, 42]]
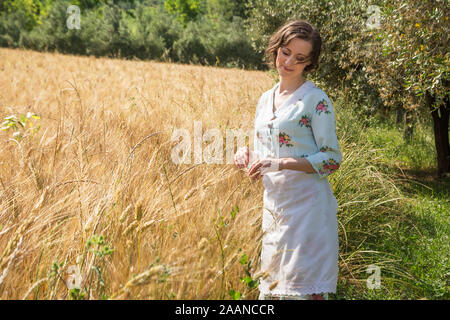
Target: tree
[[412, 70], [226, 9], [32, 10], [402, 60], [185, 10], [342, 25]]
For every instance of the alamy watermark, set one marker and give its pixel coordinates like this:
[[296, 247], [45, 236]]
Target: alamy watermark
[[374, 19], [74, 279], [374, 280], [213, 152], [74, 19]]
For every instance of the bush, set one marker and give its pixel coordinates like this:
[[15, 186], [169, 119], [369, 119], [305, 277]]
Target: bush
[[342, 25], [53, 34], [154, 32], [223, 43], [230, 45], [11, 26], [143, 30], [190, 47]]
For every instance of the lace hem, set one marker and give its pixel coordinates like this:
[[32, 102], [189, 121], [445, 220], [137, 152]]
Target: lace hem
[[307, 289], [323, 296]]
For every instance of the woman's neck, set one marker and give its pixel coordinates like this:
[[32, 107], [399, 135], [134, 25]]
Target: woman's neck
[[287, 86]]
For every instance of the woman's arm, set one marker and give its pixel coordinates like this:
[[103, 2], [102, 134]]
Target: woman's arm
[[329, 157], [260, 167], [300, 164]]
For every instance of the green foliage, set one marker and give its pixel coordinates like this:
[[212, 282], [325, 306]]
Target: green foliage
[[92, 4], [78, 287], [22, 126], [226, 9], [153, 33], [190, 47], [235, 295], [53, 34], [248, 279], [342, 25], [400, 61], [102, 248], [185, 10], [144, 30], [12, 28], [55, 269], [32, 11], [234, 211], [416, 154], [250, 282], [415, 59], [412, 37], [77, 294], [395, 219], [221, 44]]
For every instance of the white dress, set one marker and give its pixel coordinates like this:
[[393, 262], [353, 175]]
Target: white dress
[[300, 244]]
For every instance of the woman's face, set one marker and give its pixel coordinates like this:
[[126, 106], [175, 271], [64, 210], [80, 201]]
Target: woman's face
[[291, 58]]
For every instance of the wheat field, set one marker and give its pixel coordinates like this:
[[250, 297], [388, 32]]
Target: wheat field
[[100, 166], [92, 206]]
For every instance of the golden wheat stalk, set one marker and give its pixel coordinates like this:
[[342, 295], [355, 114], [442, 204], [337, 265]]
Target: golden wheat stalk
[[37, 283], [141, 279]]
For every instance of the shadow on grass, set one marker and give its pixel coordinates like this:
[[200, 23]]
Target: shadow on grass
[[422, 182], [417, 235]]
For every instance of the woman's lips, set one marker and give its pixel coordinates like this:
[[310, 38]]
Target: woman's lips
[[287, 69]]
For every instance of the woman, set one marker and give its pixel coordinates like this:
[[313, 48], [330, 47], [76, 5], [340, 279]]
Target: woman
[[295, 149]]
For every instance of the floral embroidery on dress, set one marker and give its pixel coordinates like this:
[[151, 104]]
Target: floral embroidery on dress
[[329, 166], [325, 149], [284, 139], [322, 106], [305, 121]]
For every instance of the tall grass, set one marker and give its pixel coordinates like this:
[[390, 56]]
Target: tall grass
[[101, 166]]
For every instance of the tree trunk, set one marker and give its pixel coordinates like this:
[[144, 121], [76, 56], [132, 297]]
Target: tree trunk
[[384, 112], [408, 126], [441, 140], [398, 116]]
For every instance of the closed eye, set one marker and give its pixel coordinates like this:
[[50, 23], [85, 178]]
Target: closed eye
[[286, 53]]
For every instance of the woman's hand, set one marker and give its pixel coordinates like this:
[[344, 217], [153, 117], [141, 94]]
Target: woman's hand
[[242, 157], [262, 166]]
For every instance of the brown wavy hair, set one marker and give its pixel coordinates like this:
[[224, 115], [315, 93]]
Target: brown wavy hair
[[295, 29]]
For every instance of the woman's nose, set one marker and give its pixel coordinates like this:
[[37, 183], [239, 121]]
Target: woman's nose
[[289, 60]]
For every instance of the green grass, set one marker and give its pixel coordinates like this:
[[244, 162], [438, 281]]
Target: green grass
[[406, 238], [425, 237], [416, 155]]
